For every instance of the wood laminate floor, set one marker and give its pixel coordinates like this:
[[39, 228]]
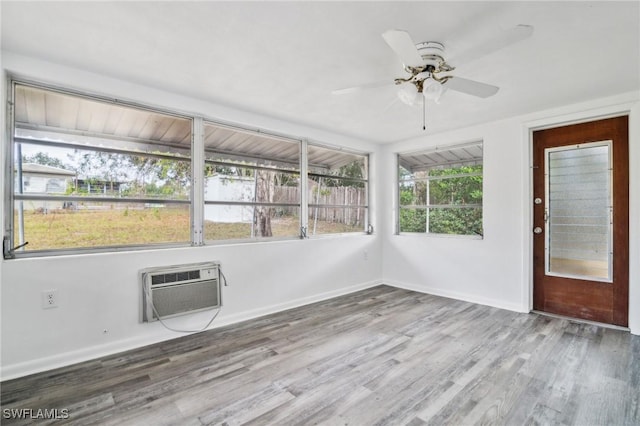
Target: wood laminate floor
[[382, 356]]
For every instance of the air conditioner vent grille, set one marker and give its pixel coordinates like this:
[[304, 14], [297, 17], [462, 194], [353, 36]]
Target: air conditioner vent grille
[[175, 277]]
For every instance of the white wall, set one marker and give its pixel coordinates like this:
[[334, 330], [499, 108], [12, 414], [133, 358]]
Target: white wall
[[99, 292], [497, 270], [479, 270]]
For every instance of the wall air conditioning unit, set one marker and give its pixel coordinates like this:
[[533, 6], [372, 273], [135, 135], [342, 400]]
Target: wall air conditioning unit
[[180, 289]]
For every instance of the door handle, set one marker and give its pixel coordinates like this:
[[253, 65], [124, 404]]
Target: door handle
[[537, 230]]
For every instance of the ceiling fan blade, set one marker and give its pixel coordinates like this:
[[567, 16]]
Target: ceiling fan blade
[[502, 40], [470, 87], [401, 43], [354, 89]]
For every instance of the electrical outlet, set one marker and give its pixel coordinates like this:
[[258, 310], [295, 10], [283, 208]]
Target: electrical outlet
[[49, 299]]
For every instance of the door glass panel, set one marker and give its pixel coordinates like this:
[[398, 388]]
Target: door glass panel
[[578, 211]]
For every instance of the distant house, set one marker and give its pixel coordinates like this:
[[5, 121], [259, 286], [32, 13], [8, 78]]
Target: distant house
[[99, 187], [44, 180]]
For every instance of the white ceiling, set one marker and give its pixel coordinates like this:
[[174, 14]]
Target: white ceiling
[[283, 59]]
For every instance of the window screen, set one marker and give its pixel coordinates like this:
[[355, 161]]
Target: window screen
[[440, 191], [252, 184], [91, 173], [338, 188]]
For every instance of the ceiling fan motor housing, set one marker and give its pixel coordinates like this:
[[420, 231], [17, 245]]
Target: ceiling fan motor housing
[[432, 52]]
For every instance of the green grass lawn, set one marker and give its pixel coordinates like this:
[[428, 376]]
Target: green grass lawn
[[114, 227]]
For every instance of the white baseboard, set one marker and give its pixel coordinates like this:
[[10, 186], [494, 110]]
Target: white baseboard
[[64, 359], [38, 365], [256, 313], [496, 303]]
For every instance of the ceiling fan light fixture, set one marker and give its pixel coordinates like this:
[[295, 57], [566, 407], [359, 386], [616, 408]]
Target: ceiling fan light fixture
[[409, 95], [432, 89]]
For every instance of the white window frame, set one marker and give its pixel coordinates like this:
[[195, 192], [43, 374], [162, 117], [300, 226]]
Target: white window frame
[[367, 226], [196, 202], [9, 251], [254, 167], [445, 163]]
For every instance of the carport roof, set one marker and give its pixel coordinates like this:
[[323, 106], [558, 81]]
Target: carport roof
[[49, 116]]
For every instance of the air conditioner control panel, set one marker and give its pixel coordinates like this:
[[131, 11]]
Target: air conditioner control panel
[[209, 274]]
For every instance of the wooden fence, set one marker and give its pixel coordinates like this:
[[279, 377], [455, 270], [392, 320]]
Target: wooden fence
[[329, 197]]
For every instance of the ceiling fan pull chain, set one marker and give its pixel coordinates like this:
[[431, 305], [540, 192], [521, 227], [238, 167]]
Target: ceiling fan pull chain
[[424, 114]]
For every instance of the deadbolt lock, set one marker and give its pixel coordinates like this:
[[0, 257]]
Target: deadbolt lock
[[537, 230]]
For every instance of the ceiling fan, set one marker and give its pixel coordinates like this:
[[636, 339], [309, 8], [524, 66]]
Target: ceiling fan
[[430, 73]]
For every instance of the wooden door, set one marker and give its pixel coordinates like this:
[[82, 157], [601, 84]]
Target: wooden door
[[581, 220]]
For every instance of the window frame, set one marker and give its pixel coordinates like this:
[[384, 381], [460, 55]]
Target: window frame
[[197, 159], [254, 167], [443, 165], [10, 197], [367, 227]]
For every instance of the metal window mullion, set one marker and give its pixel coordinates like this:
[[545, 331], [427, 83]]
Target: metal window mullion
[[304, 189], [447, 165], [340, 206], [9, 222], [20, 190], [239, 155], [440, 177], [95, 249], [98, 199], [251, 167], [360, 180], [442, 206], [248, 203], [428, 218], [367, 217], [121, 151], [197, 181]]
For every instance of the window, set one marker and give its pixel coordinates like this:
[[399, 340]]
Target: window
[[253, 187], [252, 184], [440, 191], [89, 173], [93, 173], [338, 188]]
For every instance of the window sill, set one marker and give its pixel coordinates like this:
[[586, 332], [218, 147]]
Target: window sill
[[446, 236], [270, 240]]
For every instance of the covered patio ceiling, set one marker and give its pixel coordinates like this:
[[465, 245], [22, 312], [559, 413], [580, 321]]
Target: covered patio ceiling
[[50, 117], [451, 156]]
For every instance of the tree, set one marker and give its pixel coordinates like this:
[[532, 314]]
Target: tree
[[45, 159], [354, 170], [411, 220], [265, 191], [457, 192], [141, 175], [462, 191]]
